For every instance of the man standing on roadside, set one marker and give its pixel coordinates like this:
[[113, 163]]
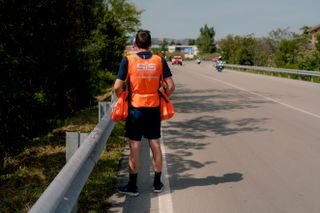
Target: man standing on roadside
[[143, 73]]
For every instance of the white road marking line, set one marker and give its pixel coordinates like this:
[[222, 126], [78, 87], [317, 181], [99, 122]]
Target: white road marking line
[[262, 96], [165, 199]]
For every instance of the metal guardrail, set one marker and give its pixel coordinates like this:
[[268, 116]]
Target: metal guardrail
[[277, 70], [63, 192]]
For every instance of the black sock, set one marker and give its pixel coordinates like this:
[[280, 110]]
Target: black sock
[[157, 177], [133, 180]]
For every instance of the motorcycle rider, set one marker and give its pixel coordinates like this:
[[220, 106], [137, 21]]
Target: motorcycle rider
[[219, 64]]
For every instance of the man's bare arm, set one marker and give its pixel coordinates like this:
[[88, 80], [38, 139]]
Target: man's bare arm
[[169, 85], [118, 87]]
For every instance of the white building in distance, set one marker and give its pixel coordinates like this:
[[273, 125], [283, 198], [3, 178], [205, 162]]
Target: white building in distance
[[189, 51]]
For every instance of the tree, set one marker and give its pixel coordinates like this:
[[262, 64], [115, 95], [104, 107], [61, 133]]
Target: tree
[[44, 73], [205, 41], [305, 30], [286, 54], [309, 58], [191, 42], [118, 19], [281, 48], [245, 54], [227, 47], [127, 14], [238, 50], [54, 57], [264, 52], [281, 34], [164, 45], [318, 44]]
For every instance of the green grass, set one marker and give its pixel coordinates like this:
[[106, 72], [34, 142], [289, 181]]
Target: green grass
[[27, 174], [102, 181]]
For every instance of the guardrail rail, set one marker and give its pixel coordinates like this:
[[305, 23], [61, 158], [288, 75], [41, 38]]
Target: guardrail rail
[[277, 70], [63, 192]]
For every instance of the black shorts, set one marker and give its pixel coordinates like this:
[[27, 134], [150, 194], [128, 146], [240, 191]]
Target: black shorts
[[144, 122]]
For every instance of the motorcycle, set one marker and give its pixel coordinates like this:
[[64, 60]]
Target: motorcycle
[[219, 66]]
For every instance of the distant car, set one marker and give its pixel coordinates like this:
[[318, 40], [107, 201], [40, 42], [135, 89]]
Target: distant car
[[176, 60]]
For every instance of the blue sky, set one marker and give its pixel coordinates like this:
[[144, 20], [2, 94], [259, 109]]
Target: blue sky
[[183, 18]]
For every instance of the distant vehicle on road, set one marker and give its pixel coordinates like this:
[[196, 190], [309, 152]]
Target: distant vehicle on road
[[219, 65], [176, 60]]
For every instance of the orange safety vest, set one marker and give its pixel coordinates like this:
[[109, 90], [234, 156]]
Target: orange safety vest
[[144, 77]]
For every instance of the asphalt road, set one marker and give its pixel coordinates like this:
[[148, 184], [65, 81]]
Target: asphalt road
[[238, 142]]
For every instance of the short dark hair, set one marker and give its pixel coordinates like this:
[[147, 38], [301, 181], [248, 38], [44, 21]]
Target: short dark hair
[[143, 39]]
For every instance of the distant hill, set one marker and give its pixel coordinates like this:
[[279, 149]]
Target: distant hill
[[157, 41]]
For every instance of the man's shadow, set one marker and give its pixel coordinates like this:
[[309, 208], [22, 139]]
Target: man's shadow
[[186, 182]]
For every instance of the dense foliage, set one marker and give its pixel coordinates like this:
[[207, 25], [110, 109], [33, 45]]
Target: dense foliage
[[55, 57], [281, 48], [205, 42]]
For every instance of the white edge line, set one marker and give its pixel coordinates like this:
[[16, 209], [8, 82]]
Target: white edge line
[[165, 199], [262, 96]]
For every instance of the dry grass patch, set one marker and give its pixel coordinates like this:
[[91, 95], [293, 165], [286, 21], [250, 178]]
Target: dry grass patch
[[27, 174]]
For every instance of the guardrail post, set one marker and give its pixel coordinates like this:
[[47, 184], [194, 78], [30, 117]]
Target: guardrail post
[[72, 144], [312, 78], [102, 109], [73, 141]]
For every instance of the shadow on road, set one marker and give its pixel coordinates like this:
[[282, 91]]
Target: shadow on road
[[212, 100], [196, 132], [201, 119], [199, 127], [206, 104], [178, 164], [186, 182]]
